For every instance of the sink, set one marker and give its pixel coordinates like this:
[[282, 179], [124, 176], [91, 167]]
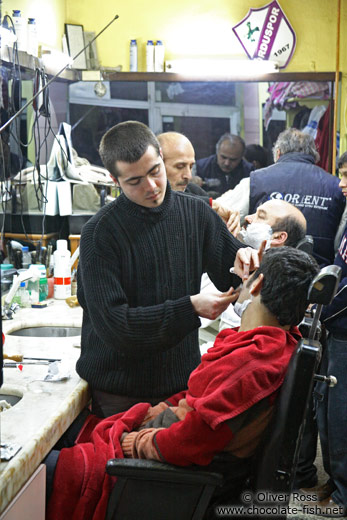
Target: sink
[[10, 395], [47, 332], [10, 399]]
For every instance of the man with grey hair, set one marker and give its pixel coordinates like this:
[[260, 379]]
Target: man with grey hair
[[295, 178], [223, 170]]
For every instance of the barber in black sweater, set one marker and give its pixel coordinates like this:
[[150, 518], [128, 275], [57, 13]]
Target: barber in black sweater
[[141, 261]]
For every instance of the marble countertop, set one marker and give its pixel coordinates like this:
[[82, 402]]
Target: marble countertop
[[46, 409]]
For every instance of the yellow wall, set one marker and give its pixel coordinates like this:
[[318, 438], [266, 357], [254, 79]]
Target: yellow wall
[[49, 14], [198, 27], [204, 27]]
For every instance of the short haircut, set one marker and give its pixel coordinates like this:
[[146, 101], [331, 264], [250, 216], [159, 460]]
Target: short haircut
[[293, 227], [342, 160], [256, 152], [288, 273], [293, 140], [126, 142], [232, 139]]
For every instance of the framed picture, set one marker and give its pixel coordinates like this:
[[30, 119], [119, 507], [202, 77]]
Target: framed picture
[[75, 43], [91, 51]]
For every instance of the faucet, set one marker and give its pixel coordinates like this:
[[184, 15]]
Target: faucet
[[10, 308]]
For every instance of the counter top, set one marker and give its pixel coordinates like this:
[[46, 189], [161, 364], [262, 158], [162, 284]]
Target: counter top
[[46, 409]]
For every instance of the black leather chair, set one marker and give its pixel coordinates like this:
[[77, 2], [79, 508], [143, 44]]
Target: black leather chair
[[152, 490], [306, 244]]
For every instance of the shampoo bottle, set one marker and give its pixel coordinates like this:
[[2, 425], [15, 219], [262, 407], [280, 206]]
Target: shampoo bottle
[[62, 271]]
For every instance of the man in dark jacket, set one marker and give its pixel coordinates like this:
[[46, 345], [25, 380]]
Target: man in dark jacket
[[331, 401], [295, 178], [223, 170]]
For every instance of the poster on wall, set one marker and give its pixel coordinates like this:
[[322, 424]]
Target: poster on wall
[[266, 34]]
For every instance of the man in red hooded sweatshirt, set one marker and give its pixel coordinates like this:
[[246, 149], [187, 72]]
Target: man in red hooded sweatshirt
[[227, 405]]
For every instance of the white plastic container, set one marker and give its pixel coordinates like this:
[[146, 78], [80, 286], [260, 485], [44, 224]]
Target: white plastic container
[[133, 56], [20, 28], [62, 271], [150, 56], [32, 41], [24, 295], [159, 52], [26, 257]]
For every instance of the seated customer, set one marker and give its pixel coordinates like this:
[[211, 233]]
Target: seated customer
[[226, 407]]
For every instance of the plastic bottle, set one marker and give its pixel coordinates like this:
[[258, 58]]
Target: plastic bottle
[[133, 56], [32, 41], [24, 295], [26, 257], [159, 52], [62, 271], [43, 285], [150, 56], [34, 287], [20, 28], [16, 297]]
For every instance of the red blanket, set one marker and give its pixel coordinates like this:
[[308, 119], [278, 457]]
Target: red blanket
[[241, 369], [83, 494]]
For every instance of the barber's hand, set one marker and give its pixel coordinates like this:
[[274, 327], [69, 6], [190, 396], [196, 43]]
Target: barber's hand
[[247, 260], [230, 217], [211, 305]]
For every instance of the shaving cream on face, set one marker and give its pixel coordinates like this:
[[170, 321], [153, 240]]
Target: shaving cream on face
[[255, 234], [240, 308]]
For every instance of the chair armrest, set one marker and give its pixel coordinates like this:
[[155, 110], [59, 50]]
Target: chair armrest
[[153, 470]]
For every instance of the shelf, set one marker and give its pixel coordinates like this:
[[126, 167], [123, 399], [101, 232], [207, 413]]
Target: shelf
[[28, 62], [170, 76]]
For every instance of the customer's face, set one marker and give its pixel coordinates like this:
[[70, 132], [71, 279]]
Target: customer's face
[[343, 180], [267, 213], [179, 160], [143, 182], [229, 156]]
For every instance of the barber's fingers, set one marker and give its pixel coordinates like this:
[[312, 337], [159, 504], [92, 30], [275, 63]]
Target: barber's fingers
[[233, 223], [261, 250], [226, 298], [246, 261]]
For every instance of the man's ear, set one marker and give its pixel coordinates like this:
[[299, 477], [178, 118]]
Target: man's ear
[[278, 238], [256, 285]]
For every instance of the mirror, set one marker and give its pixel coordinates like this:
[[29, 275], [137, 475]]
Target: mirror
[[202, 110]]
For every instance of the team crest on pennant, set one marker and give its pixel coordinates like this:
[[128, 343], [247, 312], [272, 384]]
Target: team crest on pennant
[[266, 34]]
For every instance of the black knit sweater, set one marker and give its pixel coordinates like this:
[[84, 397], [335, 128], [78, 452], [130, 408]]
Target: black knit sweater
[[138, 267]]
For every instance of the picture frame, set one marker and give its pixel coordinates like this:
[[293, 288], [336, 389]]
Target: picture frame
[[75, 42], [91, 51]]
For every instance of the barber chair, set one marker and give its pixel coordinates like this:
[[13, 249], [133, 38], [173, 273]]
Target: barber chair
[[151, 490], [306, 244]]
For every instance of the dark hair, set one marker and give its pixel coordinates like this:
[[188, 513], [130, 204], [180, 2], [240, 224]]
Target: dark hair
[[256, 152], [232, 139], [288, 273], [342, 160], [293, 227], [126, 142], [293, 140]]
